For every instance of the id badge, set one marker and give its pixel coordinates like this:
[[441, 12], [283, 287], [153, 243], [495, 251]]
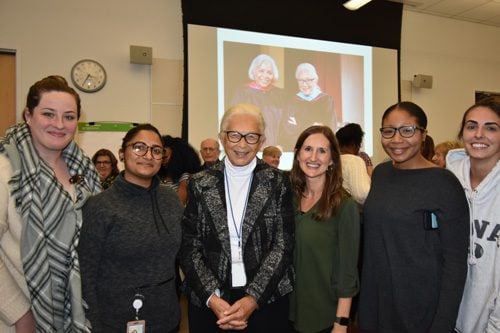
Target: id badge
[[138, 326]]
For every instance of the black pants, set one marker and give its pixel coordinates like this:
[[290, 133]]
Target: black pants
[[270, 318]]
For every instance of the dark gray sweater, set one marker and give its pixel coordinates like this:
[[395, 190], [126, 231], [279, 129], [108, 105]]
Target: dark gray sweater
[[413, 276], [130, 238]]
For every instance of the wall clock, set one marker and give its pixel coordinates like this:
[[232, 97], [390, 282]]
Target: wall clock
[[88, 75]]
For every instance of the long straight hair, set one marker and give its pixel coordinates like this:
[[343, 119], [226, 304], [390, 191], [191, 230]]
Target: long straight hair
[[333, 192]]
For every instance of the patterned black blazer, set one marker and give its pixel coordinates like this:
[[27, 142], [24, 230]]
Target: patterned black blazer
[[267, 236]]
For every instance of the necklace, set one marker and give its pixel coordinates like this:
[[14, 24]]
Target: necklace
[[238, 229]]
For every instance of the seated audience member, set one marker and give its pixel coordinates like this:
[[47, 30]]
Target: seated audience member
[[350, 138], [106, 165], [129, 241], [271, 155], [428, 148], [209, 151], [180, 161], [441, 150], [237, 235]]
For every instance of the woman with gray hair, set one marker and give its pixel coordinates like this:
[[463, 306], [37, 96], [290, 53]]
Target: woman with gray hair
[[261, 91], [309, 106]]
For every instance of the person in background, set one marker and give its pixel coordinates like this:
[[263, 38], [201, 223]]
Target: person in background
[[310, 106], [478, 169], [441, 150], [209, 151], [355, 170], [180, 161], [130, 238], [327, 231], [107, 167], [350, 138], [271, 155], [45, 179], [428, 148], [262, 92], [237, 235], [416, 227]]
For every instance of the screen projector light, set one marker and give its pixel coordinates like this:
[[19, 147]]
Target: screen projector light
[[355, 4]]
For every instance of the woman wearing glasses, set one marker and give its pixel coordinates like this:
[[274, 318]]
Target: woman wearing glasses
[[309, 106], [130, 237], [416, 235], [106, 165]]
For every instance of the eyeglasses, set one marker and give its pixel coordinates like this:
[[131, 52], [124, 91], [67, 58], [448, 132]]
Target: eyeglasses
[[250, 138], [305, 81], [404, 131], [103, 162], [208, 149], [141, 149]]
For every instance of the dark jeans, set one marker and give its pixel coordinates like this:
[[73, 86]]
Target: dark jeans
[[270, 318]]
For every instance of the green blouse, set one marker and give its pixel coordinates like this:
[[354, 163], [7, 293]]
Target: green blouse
[[326, 265]]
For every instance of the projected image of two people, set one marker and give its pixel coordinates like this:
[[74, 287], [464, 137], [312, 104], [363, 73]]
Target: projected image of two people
[[294, 88]]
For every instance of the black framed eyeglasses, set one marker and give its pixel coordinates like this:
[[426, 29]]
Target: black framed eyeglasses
[[250, 138], [141, 149], [404, 131]]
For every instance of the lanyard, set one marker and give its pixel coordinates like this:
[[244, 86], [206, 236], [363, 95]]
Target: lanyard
[[238, 229]]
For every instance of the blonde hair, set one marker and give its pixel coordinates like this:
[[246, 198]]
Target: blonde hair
[[447, 146], [271, 151]]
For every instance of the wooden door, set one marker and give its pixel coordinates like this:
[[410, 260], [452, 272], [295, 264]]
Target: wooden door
[[7, 90]]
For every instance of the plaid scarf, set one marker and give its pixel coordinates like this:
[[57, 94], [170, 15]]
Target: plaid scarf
[[51, 229]]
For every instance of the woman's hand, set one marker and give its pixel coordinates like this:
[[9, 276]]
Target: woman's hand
[[26, 324]]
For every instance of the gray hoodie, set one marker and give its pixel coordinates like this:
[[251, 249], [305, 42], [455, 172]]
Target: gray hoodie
[[480, 307]]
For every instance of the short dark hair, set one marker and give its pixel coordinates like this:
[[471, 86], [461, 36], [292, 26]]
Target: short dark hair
[[350, 134]]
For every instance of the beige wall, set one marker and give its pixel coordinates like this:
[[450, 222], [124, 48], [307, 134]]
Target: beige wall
[[462, 57], [51, 35]]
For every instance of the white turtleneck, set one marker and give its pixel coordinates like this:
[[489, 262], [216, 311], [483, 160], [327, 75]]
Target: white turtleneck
[[237, 181]]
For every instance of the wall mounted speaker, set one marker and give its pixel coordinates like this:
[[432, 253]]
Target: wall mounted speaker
[[141, 55], [422, 81]]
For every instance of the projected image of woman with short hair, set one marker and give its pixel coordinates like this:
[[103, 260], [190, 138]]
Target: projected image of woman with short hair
[[309, 106], [262, 92]]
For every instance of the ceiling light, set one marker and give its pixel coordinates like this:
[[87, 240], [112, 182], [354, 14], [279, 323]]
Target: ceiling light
[[355, 4]]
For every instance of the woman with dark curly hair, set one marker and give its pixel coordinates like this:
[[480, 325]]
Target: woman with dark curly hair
[[180, 161]]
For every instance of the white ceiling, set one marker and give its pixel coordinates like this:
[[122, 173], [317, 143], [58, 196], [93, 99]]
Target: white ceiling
[[478, 11]]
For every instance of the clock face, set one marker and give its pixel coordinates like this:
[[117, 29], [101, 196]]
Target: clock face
[[88, 75]]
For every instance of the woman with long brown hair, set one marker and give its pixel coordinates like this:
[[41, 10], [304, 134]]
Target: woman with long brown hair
[[326, 236]]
